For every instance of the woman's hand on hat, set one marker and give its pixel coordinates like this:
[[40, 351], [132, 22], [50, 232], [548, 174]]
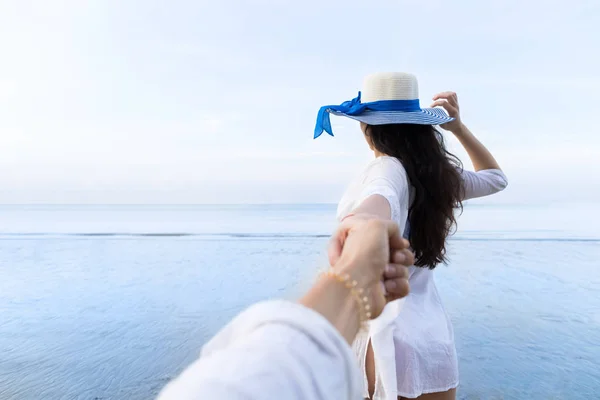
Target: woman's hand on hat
[[449, 102]]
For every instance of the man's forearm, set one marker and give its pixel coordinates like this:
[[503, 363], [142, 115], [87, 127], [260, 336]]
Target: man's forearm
[[274, 350], [333, 301]]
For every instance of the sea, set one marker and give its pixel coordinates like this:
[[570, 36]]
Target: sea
[[111, 302]]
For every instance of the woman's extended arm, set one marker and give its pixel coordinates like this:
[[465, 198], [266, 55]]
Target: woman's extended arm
[[375, 205]]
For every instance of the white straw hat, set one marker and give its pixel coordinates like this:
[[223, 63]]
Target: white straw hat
[[386, 98]]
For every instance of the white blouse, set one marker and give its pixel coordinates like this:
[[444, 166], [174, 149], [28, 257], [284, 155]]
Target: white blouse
[[413, 340]]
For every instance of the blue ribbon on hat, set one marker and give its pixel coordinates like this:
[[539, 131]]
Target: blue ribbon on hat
[[355, 107]]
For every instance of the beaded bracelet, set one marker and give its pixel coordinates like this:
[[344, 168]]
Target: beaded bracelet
[[364, 308]]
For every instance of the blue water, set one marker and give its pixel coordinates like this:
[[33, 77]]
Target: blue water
[[110, 302]]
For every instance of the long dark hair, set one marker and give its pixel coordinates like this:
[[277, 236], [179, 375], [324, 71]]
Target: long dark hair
[[434, 174]]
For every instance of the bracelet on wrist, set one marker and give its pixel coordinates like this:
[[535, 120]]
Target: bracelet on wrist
[[358, 293]]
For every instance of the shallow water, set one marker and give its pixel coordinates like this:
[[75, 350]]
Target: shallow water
[[112, 302]]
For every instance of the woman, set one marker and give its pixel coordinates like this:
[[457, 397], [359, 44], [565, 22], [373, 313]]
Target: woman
[[409, 351]]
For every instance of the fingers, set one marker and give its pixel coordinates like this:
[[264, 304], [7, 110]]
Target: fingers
[[396, 288], [396, 275], [404, 256], [397, 242], [445, 104], [336, 242], [451, 97], [395, 271]]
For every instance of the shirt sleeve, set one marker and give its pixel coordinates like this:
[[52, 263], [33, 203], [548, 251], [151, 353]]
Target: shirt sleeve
[[388, 179], [483, 183], [273, 350]]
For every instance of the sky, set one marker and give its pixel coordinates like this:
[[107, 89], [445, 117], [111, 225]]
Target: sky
[[215, 102]]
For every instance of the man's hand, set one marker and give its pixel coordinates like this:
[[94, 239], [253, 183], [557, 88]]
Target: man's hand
[[372, 251]]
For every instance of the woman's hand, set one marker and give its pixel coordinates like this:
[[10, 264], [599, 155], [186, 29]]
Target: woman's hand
[[374, 249], [480, 156], [449, 102]]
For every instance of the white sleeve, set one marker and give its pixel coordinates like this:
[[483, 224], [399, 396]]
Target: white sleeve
[[483, 183], [388, 179], [273, 350]]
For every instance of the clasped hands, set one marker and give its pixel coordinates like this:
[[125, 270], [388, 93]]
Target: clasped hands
[[373, 252]]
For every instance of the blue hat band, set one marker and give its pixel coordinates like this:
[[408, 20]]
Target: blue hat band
[[355, 107]]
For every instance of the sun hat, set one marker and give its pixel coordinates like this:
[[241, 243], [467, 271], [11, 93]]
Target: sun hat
[[386, 98]]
